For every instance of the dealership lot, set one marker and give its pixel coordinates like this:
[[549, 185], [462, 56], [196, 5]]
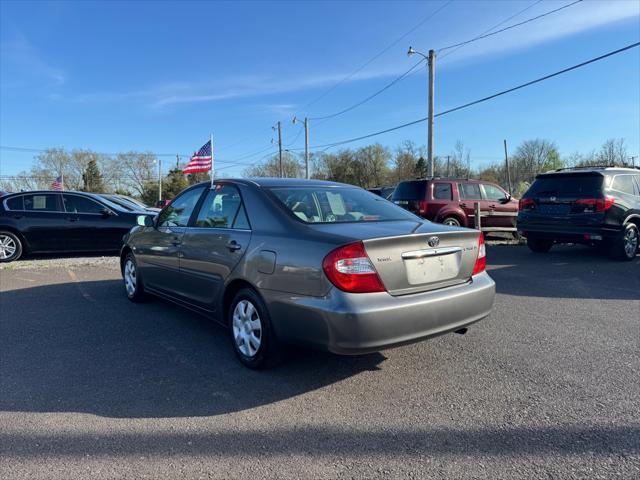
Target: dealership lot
[[547, 387]]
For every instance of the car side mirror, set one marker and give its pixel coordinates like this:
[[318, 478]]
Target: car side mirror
[[506, 199], [105, 212], [144, 221]]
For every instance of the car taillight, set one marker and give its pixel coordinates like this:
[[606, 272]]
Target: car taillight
[[597, 204], [526, 202], [349, 268], [481, 260], [423, 206]]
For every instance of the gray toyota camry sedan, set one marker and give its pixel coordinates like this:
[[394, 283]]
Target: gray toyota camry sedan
[[280, 261]]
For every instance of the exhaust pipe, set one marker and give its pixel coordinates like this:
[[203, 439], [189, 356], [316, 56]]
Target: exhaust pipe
[[462, 331]]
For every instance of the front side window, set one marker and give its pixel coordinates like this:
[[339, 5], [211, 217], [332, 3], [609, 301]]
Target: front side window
[[222, 208], [442, 191], [623, 183], [469, 191], [178, 212], [338, 205], [41, 202], [78, 204], [492, 192]]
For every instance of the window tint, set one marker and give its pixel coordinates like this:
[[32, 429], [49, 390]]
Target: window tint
[[178, 212], [220, 208], [623, 183], [469, 191], [567, 185], [492, 192], [42, 202], [15, 203], [442, 191], [332, 205], [241, 219], [78, 204], [410, 190]]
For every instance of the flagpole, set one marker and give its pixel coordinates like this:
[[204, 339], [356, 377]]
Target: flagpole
[[61, 181], [211, 175]]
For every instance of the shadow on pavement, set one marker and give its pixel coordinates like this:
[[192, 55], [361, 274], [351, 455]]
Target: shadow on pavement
[[91, 350]]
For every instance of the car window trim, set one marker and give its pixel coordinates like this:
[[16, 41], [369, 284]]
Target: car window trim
[[58, 202]]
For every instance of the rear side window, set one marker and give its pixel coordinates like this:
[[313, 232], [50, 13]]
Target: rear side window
[[470, 191], [566, 185], [15, 203], [41, 202], [222, 208], [411, 190], [78, 204], [623, 183], [442, 191]]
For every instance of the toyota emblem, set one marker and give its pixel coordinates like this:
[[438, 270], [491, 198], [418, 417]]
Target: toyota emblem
[[433, 242]]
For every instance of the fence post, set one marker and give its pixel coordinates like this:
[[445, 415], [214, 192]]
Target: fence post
[[476, 211]]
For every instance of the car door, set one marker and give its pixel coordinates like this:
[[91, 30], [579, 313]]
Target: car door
[[42, 222], [91, 225], [470, 194], [158, 247], [501, 210], [213, 245]]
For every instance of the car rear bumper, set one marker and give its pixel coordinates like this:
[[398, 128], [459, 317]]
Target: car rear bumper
[[565, 232], [360, 323]]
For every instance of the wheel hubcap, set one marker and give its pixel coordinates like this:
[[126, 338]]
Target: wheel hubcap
[[130, 277], [8, 247], [631, 242], [451, 223], [247, 328]]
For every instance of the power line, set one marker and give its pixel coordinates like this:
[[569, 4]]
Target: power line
[[475, 102], [480, 37], [378, 55]]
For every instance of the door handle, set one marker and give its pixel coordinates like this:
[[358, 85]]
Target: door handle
[[463, 205], [233, 246], [17, 217], [73, 219], [176, 242]]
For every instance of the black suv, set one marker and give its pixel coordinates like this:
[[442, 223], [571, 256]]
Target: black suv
[[597, 206]]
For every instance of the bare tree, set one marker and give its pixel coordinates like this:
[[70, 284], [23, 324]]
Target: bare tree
[[271, 168], [136, 169], [613, 152]]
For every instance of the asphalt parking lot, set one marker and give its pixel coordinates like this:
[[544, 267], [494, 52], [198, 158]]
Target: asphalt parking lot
[[547, 387]]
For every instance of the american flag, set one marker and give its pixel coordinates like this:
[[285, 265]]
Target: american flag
[[57, 183], [202, 161]]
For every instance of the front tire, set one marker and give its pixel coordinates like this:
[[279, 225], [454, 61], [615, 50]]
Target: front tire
[[10, 247], [251, 332], [626, 247], [132, 282], [451, 221], [539, 246]]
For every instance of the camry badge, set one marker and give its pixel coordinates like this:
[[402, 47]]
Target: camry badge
[[433, 242]]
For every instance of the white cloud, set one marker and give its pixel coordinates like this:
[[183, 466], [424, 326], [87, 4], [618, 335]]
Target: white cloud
[[26, 59]]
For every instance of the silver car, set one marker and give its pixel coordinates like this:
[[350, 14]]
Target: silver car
[[280, 261]]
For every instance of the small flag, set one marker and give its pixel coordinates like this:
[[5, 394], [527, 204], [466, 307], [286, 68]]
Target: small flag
[[57, 184], [201, 161]]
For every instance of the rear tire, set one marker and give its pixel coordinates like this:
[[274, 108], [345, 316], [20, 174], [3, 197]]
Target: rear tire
[[132, 281], [539, 246], [251, 332], [626, 246], [10, 247], [451, 221]]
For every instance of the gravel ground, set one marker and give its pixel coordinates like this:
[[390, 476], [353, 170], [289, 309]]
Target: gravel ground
[[547, 387]]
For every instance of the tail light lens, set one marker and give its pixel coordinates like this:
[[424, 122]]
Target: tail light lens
[[596, 204], [423, 206], [525, 203], [481, 260], [350, 269]]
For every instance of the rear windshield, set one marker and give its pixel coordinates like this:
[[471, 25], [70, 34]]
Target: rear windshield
[[567, 186], [411, 190], [338, 205]]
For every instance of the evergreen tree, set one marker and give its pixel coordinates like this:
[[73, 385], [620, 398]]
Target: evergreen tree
[[92, 178]]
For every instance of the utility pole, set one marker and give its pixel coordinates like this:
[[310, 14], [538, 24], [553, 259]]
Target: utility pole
[[159, 179], [280, 149], [431, 63], [633, 161], [448, 157], [306, 148], [177, 161], [506, 162]]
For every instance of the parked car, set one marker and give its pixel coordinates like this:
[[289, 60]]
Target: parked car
[[53, 221], [452, 201], [128, 203], [279, 261], [597, 206], [384, 192]]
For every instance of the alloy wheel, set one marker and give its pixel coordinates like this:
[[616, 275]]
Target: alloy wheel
[[130, 277], [8, 247], [247, 328], [631, 242]]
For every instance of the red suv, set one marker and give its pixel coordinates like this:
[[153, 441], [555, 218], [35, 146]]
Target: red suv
[[451, 201]]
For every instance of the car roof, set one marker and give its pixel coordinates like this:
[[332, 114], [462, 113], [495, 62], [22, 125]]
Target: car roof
[[281, 182], [447, 179], [597, 170]]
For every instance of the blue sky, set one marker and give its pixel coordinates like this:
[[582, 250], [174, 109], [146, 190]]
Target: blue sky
[[161, 76]]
